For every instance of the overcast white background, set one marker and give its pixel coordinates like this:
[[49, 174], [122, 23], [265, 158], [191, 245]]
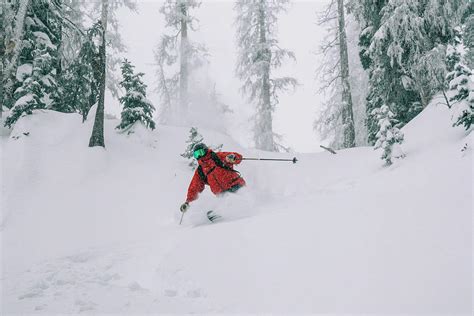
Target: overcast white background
[[298, 31]]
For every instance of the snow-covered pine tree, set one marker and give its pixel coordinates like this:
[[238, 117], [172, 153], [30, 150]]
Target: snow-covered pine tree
[[462, 89], [194, 138], [389, 137], [174, 48], [397, 35], [35, 47], [346, 113], [30, 96], [168, 84], [7, 14], [329, 121], [80, 80], [73, 14], [136, 107], [97, 136], [467, 21], [115, 45], [13, 26], [259, 54], [109, 46]]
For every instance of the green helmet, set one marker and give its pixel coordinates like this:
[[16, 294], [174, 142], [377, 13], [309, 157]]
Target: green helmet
[[199, 150]]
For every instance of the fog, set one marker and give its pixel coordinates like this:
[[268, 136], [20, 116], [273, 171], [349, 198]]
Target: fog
[[298, 32]]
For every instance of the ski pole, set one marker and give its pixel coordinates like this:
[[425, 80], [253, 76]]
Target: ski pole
[[294, 160], [181, 218]]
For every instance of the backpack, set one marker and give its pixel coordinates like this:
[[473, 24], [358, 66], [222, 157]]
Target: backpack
[[218, 162]]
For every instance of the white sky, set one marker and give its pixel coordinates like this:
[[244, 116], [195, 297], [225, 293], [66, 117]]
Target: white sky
[[298, 31]]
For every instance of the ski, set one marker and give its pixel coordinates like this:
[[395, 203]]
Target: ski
[[213, 216]]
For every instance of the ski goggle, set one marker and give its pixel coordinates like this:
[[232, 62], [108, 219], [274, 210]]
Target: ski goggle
[[199, 153]]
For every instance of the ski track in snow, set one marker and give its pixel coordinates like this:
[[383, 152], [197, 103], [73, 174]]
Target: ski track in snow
[[96, 232], [77, 281]]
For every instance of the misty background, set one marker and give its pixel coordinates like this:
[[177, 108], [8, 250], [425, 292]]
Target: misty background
[[298, 30]]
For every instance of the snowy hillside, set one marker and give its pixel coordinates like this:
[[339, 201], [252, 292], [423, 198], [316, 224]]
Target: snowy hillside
[[96, 231]]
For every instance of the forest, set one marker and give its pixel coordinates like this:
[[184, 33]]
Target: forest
[[380, 64]]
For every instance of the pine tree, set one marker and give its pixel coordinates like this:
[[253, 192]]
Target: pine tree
[[14, 30], [168, 85], [468, 33], [136, 107], [177, 15], [7, 14], [347, 114], [177, 51], [400, 40], [462, 87], [113, 37], [97, 136], [30, 96], [329, 123], [73, 14], [259, 54], [33, 44], [389, 137], [80, 80], [194, 138]]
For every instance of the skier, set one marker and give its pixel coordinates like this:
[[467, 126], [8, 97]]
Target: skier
[[215, 170]]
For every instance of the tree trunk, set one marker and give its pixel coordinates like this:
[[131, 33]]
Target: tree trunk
[[347, 114], [184, 56], [59, 61], [264, 131], [97, 137]]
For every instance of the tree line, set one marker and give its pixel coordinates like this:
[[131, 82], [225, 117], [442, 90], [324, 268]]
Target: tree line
[[408, 51], [383, 63]]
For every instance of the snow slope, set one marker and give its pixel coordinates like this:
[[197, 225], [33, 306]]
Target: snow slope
[[96, 231]]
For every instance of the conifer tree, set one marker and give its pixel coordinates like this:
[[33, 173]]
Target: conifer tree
[[13, 30], [462, 99], [346, 113], [194, 138], [168, 84], [113, 37], [259, 54], [80, 80], [97, 136], [32, 52], [177, 57], [7, 14], [107, 40], [30, 96], [399, 40], [468, 33], [136, 107], [389, 137], [329, 123]]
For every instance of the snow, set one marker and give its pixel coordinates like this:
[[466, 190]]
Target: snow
[[24, 100], [96, 230], [23, 71], [44, 39]]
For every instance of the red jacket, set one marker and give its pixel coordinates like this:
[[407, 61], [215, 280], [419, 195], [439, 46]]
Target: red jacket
[[219, 179]]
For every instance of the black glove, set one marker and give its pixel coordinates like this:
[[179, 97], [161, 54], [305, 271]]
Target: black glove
[[230, 158], [184, 207]]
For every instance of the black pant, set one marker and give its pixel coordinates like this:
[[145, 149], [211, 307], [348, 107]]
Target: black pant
[[234, 188]]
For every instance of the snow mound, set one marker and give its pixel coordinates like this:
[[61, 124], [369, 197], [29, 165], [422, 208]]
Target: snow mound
[[96, 230]]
